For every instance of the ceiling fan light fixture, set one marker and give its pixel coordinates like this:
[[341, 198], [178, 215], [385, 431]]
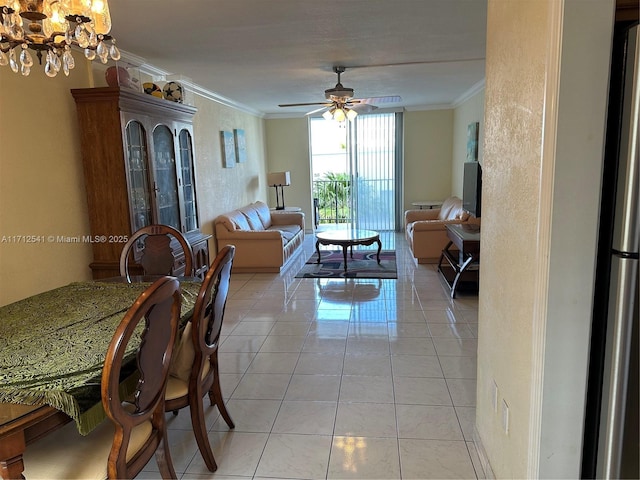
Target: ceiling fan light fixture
[[340, 103], [339, 115]]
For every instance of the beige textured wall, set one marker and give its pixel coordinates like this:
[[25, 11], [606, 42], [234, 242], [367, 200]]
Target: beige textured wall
[[428, 146], [221, 189], [472, 110], [517, 37], [542, 162], [287, 145], [41, 183]]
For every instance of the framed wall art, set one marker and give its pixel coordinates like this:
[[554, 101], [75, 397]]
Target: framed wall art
[[241, 145], [472, 142], [227, 145]]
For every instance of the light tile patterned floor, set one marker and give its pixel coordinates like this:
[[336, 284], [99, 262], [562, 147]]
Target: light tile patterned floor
[[331, 379]]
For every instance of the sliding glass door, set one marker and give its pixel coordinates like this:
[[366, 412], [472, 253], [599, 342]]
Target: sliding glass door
[[357, 170], [375, 166]]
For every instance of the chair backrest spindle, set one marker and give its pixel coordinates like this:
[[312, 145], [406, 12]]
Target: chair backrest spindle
[[157, 255]]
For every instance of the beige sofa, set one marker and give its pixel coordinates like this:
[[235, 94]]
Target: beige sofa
[[425, 229], [265, 241]]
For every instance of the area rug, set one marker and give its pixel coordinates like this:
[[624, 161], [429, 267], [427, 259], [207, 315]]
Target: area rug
[[362, 265]]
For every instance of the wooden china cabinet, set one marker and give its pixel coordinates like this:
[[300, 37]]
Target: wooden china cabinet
[[138, 159]]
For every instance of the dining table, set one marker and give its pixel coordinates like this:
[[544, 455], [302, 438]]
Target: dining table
[[52, 350]]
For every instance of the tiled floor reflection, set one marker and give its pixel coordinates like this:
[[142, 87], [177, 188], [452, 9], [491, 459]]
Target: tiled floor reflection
[[341, 379]]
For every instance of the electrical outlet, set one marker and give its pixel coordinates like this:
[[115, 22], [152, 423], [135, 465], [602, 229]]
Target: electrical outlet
[[505, 416], [494, 396]]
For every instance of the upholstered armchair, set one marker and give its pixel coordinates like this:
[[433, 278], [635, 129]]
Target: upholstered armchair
[[425, 230]]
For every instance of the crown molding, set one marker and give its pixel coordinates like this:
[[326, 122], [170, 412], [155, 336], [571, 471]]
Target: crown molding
[[159, 74], [284, 115], [475, 89], [420, 108], [227, 102]]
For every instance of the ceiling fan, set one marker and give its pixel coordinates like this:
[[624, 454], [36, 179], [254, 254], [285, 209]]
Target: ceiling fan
[[340, 104]]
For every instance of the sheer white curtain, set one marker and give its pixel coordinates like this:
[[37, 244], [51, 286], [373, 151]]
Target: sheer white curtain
[[376, 167]]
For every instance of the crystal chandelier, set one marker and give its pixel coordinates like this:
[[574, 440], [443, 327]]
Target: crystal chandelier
[[50, 28]]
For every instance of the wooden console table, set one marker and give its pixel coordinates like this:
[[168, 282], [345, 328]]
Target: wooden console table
[[462, 264]]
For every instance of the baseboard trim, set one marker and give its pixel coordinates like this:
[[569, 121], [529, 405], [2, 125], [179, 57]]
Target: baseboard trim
[[482, 454]]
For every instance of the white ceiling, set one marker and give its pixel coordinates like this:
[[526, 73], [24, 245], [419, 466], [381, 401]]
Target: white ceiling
[[261, 53]]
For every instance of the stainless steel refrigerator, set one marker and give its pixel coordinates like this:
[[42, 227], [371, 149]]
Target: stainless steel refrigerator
[[610, 447]]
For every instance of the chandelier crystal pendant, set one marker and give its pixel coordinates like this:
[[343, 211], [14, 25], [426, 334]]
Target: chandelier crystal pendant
[[50, 28]]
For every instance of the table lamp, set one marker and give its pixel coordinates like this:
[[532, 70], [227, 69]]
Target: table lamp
[[279, 180]]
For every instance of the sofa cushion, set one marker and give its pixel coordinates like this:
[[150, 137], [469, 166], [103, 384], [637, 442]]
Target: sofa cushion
[[263, 212], [236, 220], [452, 210], [287, 231], [251, 213]]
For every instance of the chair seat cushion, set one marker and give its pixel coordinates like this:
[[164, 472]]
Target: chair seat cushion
[[181, 364], [179, 387], [183, 355], [67, 454]]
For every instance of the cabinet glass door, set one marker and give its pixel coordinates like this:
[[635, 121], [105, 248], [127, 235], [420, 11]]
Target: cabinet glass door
[[138, 177], [164, 173], [188, 182]]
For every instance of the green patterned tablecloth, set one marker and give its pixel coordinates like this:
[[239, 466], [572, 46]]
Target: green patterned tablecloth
[[52, 345]]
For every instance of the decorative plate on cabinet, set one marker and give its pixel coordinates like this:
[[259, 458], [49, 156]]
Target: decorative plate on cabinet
[[151, 88], [173, 91], [117, 76]]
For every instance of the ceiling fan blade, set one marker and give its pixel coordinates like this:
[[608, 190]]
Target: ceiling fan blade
[[421, 62], [316, 110], [364, 108], [340, 97], [381, 100], [305, 104]]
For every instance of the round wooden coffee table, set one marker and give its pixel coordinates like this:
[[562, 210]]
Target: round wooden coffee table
[[348, 238]]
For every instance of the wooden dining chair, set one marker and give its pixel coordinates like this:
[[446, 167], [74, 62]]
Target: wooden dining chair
[[157, 254], [123, 444], [195, 368]]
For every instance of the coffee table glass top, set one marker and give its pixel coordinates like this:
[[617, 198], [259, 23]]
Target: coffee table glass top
[[346, 235]]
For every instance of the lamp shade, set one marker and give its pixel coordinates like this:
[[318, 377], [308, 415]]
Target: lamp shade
[[279, 178]]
